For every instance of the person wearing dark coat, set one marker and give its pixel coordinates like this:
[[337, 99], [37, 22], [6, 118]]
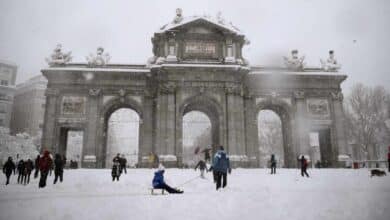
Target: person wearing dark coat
[[304, 165], [273, 164], [20, 171], [221, 165], [37, 166], [58, 168], [123, 163], [8, 167], [28, 167], [159, 183], [45, 164], [116, 170], [202, 167]]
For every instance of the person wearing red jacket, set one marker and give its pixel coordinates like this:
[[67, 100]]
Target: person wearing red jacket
[[45, 163]]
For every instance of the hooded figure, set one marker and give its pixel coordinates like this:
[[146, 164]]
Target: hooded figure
[[221, 166], [45, 164], [159, 183], [273, 164], [8, 167]]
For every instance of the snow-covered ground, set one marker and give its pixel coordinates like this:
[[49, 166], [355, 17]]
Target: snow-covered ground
[[251, 194]]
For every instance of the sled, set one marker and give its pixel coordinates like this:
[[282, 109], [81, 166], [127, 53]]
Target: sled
[[154, 191]]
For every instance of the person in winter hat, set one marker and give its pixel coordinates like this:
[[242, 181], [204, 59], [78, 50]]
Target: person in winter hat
[[8, 167], [221, 166], [45, 164], [159, 183]]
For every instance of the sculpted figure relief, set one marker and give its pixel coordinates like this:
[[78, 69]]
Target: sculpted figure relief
[[58, 57], [179, 16], [99, 59], [331, 64], [294, 62]]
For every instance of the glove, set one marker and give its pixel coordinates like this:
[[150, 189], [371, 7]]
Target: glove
[[230, 170]]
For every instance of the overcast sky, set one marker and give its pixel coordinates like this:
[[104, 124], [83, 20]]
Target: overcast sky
[[358, 31]]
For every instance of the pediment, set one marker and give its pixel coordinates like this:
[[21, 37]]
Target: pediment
[[200, 25]]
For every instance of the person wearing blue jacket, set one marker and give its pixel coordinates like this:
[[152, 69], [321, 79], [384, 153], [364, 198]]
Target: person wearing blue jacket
[[221, 166], [159, 183]]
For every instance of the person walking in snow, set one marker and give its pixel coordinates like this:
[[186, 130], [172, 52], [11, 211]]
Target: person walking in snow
[[123, 163], [221, 165], [304, 165], [159, 183], [20, 171], [28, 167], [273, 164], [202, 167], [37, 166], [116, 170], [8, 167], [59, 164], [45, 164]]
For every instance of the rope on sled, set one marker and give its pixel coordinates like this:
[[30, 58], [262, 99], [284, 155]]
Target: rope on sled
[[188, 181]]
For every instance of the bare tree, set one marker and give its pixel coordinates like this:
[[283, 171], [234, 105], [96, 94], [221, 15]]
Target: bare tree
[[366, 113]]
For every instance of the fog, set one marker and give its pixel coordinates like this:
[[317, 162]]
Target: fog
[[358, 31]]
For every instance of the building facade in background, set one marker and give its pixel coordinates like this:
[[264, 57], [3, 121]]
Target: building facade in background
[[7, 88], [29, 106]]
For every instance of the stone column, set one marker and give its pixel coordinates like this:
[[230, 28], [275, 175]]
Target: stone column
[[146, 132], [301, 130], [49, 134], [166, 125], [339, 125], [236, 127], [251, 132], [90, 154]]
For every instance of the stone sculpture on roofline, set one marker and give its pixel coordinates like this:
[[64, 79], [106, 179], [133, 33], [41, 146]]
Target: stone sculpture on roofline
[[179, 16], [99, 59], [294, 62], [58, 57], [331, 64]]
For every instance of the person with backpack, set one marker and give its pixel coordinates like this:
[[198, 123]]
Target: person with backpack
[[159, 183], [28, 167], [273, 164], [202, 167], [59, 164], [304, 164], [20, 171], [45, 164], [8, 167], [221, 166]]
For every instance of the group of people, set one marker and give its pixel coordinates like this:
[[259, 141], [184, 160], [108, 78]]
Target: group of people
[[303, 162], [43, 165], [119, 164]]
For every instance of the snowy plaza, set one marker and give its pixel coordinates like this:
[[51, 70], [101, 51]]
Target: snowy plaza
[[251, 194]]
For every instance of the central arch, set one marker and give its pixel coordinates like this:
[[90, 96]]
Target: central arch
[[211, 109], [111, 107], [283, 110]]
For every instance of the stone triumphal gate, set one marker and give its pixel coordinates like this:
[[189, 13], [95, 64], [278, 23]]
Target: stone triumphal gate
[[197, 65]]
